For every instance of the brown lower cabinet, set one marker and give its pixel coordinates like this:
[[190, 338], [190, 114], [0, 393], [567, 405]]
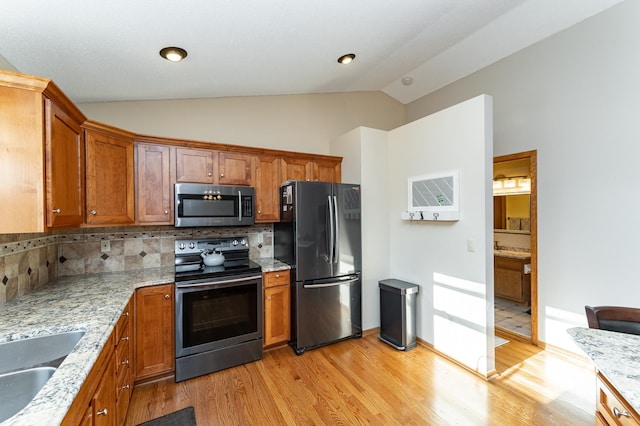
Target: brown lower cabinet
[[154, 332], [510, 281], [277, 321], [95, 404], [611, 407]]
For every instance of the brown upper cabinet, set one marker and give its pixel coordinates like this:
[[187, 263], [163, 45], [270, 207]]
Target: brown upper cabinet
[[42, 170], [196, 165], [154, 184], [320, 168], [234, 168], [267, 172], [109, 175]]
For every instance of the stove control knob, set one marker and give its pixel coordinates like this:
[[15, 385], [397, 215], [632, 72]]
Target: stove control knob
[[192, 245], [235, 243], [182, 246], [243, 242]]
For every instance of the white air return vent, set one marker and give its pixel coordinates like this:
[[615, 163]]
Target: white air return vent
[[433, 197]]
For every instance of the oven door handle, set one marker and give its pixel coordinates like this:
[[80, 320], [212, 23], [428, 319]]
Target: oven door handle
[[331, 284], [218, 283]]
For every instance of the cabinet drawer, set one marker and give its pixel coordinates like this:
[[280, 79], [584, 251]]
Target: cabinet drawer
[[123, 323], [122, 355], [611, 406], [275, 278], [509, 263]]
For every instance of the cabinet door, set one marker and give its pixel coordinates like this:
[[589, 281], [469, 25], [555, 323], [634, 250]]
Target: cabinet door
[[154, 192], [296, 169], [277, 315], [327, 171], [109, 179], [64, 159], [508, 278], [196, 165], [234, 168], [104, 400], [154, 331], [267, 186]]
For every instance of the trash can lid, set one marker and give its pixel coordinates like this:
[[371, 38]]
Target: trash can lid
[[398, 286]]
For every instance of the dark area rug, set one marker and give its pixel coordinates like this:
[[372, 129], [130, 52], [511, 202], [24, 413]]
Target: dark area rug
[[184, 417]]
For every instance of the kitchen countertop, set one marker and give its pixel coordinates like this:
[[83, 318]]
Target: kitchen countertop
[[91, 303], [512, 254], [270, 264], [616, 356]]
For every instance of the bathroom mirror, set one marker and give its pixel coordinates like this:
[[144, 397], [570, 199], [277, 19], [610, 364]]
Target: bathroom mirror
[[512, 213]]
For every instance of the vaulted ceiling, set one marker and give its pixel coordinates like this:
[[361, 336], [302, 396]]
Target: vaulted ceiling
[[108, 50]]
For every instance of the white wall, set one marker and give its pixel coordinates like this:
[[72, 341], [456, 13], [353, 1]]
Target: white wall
[[303, 123], [574, 97], [365, 161], [455, 303]]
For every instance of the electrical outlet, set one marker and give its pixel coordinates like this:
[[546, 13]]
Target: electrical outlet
[[105, 246], [471, 246]]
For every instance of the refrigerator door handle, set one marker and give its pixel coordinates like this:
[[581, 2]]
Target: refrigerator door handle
[[336, 232], [332, 284], [331, 235]]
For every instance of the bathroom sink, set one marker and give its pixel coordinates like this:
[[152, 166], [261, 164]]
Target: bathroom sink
[[19, 388], [39, 351]]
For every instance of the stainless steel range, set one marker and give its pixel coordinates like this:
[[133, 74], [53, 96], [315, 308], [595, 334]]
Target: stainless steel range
[[218, 308]]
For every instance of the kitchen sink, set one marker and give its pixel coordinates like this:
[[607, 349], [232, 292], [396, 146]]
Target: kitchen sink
[[19, 388], [41, 351]]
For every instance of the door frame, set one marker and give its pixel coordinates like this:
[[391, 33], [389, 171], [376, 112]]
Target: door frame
[[532, 156]]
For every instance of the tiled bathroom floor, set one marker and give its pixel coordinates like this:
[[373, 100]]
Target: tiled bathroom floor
[[512, 316]]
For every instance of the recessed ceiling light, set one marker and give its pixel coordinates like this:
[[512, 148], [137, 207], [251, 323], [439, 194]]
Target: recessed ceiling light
[[347, 59], [173, 54], [407, 81]]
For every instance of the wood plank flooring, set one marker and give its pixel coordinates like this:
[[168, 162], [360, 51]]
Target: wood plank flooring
[[366, 382]]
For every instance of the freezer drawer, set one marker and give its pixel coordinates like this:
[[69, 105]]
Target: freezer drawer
[[325, 312]]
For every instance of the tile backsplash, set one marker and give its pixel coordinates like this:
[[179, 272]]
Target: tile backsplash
[[28, 261]]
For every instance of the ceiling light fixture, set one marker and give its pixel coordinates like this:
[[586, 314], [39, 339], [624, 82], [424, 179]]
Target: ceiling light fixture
[[173, 54], [407, 81], [347, 59]]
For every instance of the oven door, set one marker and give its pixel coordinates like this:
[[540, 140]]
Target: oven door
[[217, 314]]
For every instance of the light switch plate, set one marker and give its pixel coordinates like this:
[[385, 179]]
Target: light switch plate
[[471, 246]]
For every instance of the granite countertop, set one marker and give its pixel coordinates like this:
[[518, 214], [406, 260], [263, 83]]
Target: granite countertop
[[91, 303], [270, 264], [512, 254], [616, 356]]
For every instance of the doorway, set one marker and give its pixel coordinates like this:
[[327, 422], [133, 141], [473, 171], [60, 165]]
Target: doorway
[[516, 246]]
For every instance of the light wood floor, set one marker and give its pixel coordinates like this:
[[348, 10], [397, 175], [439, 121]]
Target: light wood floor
[[366, 382]]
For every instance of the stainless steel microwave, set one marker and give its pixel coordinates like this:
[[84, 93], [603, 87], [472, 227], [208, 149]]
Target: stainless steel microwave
[[213, 205]]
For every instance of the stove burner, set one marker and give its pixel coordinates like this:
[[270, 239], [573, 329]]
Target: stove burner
[[189, 266]]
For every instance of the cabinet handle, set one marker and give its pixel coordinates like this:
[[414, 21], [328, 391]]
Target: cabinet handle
[[259, 211], [268, 297], [126, 314], [93, 212], [102, 413], [209, 174], [166, 296], [56, 211], [277, 275], [125, 362], [125, 387], [124, 338], [619, 413], [166, 212]]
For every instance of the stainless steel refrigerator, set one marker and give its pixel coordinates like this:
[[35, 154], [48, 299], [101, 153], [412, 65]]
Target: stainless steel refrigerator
[[319, 235]]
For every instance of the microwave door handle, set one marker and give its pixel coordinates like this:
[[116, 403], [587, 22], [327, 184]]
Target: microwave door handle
[[239, 206]]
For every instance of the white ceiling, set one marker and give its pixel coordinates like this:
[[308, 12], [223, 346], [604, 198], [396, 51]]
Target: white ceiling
[[99, 50]]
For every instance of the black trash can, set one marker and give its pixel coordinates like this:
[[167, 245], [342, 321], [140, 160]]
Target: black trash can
[[398, 313]]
